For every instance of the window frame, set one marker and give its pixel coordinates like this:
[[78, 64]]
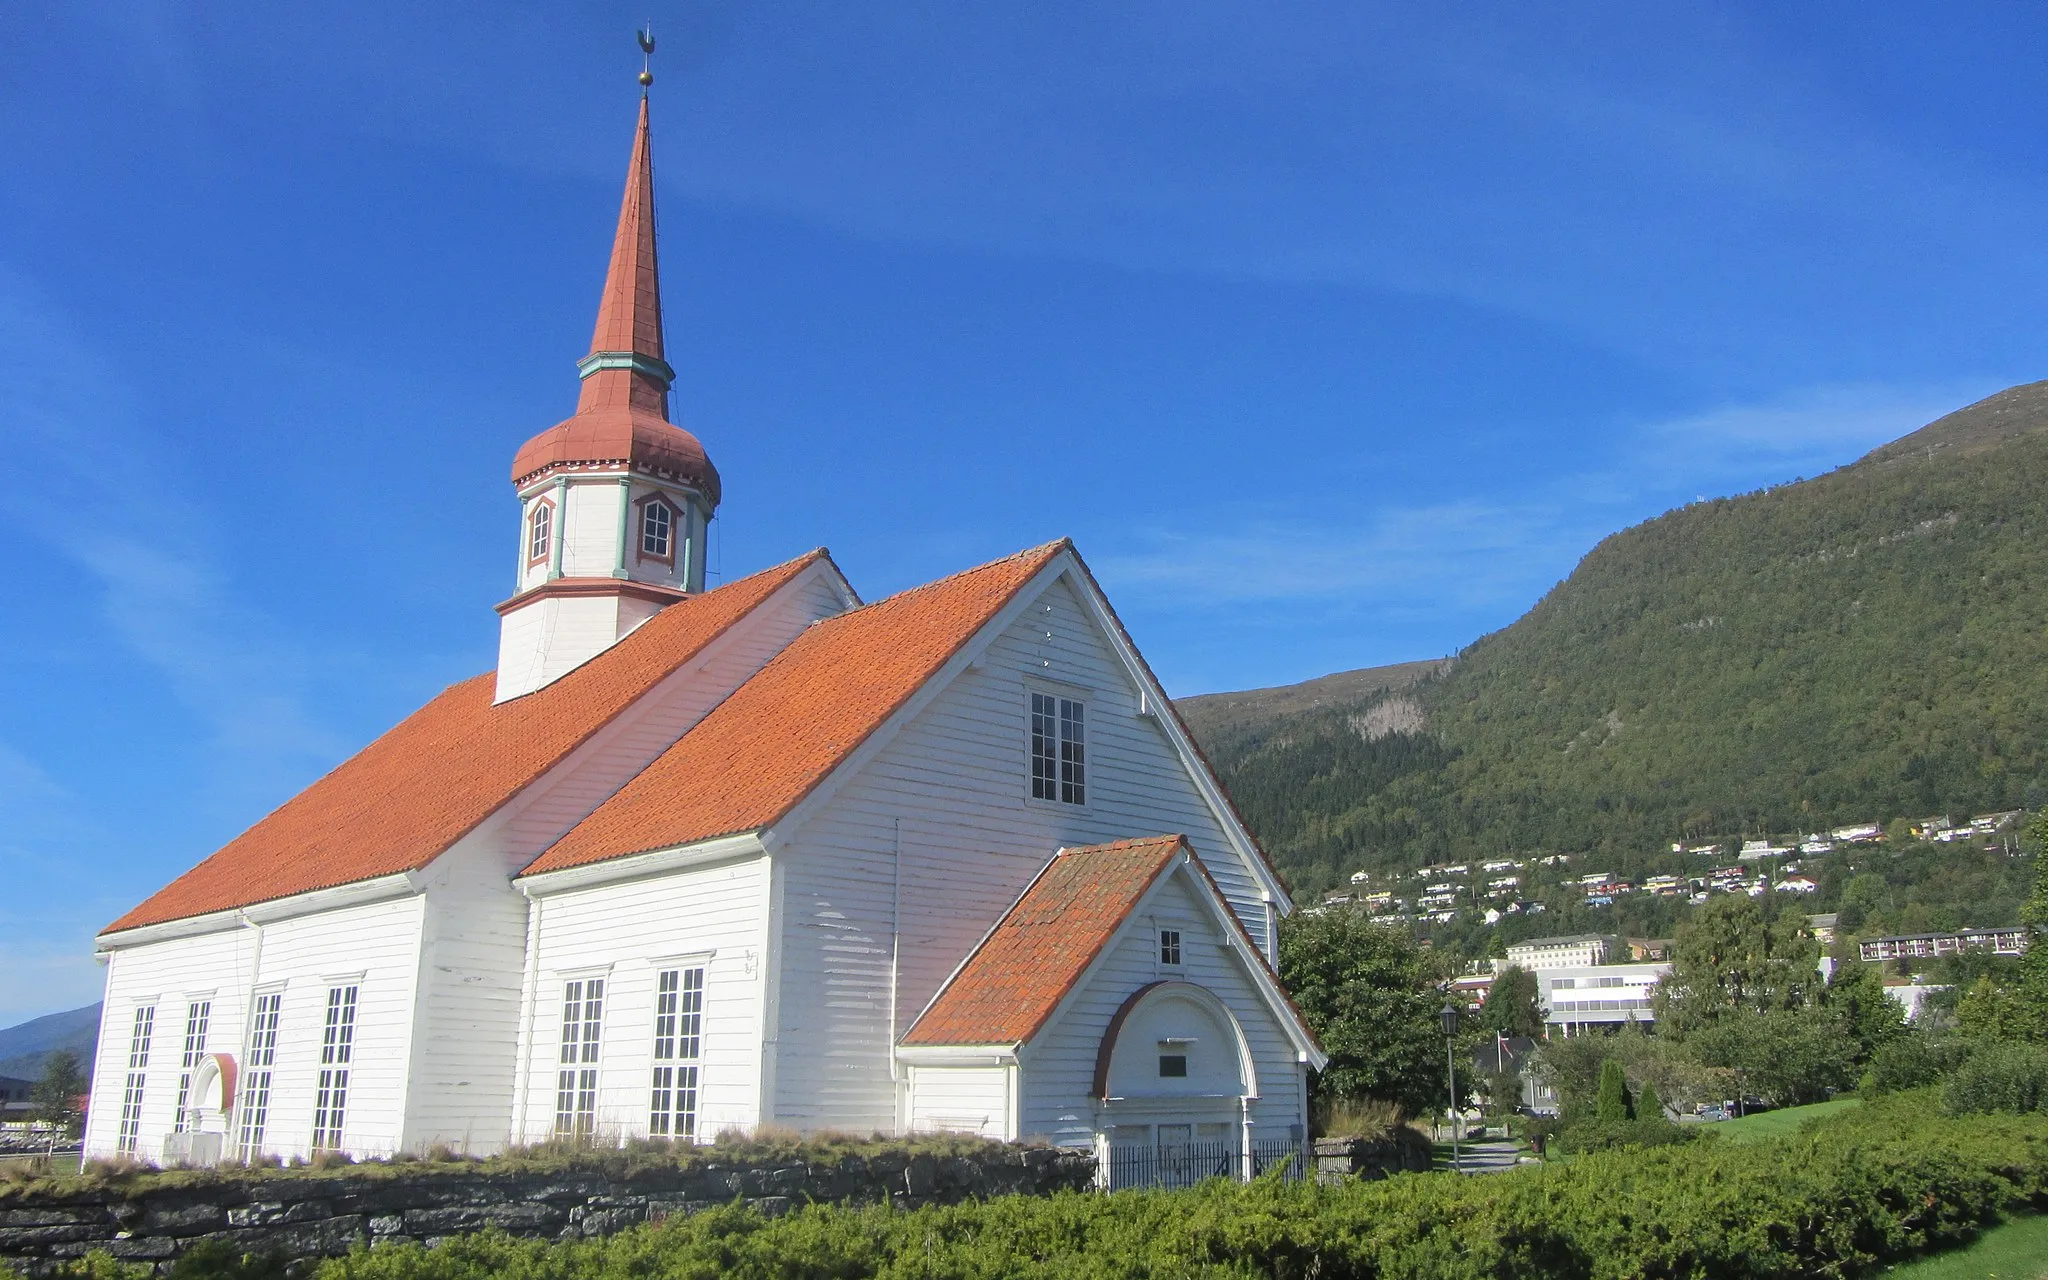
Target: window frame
[[1058, 777], [198, 1019], [141, 1031], [252, 1106], [545, 537], [676, 1092], [1170, 953], [337, 1058], [675, 528], [581, 1043]]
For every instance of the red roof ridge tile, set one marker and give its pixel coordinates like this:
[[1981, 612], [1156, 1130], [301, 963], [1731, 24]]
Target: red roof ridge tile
[[378, 812], [760, 753]]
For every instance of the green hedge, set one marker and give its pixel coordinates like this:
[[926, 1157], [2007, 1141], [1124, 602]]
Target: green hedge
[[1879, 1182]]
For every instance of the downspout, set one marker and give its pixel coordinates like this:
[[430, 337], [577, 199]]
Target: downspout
[[523, 1073], [625, 507], [557, 536], [895, 958]]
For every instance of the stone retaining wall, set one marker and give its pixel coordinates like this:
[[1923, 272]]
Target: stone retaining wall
[[318, 1215]]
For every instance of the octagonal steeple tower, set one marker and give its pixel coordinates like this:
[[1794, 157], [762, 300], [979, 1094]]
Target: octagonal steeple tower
[[615, 500]]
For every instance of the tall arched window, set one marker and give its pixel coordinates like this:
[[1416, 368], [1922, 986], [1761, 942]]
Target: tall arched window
[[657, 531], [540, 532]]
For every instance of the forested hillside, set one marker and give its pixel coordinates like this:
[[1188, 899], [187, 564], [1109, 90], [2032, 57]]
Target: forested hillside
[[1865, 645]]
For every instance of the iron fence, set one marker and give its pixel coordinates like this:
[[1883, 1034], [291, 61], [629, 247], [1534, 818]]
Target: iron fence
[[1172, 1165]]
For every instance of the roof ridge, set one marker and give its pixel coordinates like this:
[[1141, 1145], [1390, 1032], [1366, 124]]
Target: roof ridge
[[1046, 549]]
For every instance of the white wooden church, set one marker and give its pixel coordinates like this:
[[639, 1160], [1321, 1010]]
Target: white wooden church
[[692, 860]]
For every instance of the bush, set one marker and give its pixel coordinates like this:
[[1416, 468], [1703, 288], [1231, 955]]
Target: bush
[[1999, 1076], [1876, 1183]]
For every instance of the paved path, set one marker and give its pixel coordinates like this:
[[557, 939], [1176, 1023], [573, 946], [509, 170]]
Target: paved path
[[1483, 1157]]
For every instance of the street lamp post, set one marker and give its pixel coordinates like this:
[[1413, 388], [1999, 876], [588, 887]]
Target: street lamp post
[[1450, 1017]]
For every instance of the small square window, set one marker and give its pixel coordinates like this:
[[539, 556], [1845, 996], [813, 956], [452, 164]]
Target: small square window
[[1169, 946], [1173, 1065]]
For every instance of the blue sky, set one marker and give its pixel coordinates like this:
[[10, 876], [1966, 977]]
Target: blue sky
[[1333, 334]]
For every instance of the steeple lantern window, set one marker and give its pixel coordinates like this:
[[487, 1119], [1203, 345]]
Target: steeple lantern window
[[658, 529], [540, 532]]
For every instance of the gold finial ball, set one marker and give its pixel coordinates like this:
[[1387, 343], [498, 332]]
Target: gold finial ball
[[646, 78]]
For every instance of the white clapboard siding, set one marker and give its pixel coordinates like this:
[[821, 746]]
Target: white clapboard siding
[[955, 784], [169, 975], [591, 547], [962, 1100], [465, 1066], [375, 947], [1059, 1064], [716, 914]]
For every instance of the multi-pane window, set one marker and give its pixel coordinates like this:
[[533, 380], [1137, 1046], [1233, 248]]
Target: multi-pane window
[[678, 1044], [337, 1051], [1059, 753], [576, 1083], [256, 1083], [540, 532], [138, 1068], [197, 1014], [657, 529], [1169, 946]]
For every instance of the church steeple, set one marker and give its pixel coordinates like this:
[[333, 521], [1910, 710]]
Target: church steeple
[[615, 501], [625, 364]]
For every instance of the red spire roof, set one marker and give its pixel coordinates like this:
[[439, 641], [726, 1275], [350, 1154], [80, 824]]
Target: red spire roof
[[629, 310], [622, 412]]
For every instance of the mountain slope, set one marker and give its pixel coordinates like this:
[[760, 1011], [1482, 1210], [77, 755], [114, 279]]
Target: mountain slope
[[26, 1045], [1867, 644]]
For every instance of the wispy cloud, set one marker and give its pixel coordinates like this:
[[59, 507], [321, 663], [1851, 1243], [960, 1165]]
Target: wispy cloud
[[1474, 557]]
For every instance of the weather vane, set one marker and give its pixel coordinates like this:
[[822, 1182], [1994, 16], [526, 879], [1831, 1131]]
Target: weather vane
[[646, 37]]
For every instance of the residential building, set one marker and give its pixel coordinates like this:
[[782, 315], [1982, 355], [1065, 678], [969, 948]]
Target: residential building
[[2011, 940], [1577, 951], [696, 858]]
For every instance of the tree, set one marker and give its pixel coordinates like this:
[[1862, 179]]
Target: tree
[[1365, 991], [1786, 1056], [1855, 998], [1611, 1105], [1649, 1107], [54, 1100], [2033, 982], [1991, 1011], [1512, 1007], [1732, 958]]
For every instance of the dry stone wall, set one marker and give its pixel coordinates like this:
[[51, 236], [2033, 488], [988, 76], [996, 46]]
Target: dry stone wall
[[321, 1215]]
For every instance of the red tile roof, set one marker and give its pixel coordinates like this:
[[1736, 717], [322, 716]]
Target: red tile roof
[[765, 748], [1021, 971], [404, 799]]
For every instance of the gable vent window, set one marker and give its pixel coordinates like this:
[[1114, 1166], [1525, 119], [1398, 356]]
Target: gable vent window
[[657, 531], [1173, 1066], [576, 1083], [1169, 946], [197, 1015], [1059, 751], [138, 1070], [256, 1087], [678, 1044], [337, 1053], [540, 532]]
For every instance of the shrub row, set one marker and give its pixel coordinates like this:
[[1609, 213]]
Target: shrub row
[[1880, 1182]]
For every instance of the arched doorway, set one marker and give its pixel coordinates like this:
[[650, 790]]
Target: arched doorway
[[1173, 1077]]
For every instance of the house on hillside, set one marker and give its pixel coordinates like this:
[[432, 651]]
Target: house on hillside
[[696, 858]]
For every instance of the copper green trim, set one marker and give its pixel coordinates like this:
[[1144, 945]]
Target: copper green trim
[[653, 366], [559, 528], [625, 508]]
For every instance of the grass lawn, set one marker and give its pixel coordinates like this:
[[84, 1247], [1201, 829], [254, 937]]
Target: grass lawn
[[1776, 1124], [2017, 1250]]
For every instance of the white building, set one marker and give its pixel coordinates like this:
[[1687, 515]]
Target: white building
[[695, 859], [1558, 953], [1588, 998]]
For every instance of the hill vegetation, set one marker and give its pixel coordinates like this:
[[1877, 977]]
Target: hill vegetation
[[26, 1047], [1865, 645]]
